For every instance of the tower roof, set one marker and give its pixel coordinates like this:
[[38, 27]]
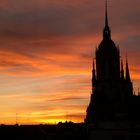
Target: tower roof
[[107, 45]]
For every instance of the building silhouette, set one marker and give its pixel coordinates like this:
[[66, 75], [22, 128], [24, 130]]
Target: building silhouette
[[112, 99], [113, 112]]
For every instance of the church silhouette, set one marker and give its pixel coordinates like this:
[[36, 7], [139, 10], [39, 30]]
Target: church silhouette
[[113, 104]]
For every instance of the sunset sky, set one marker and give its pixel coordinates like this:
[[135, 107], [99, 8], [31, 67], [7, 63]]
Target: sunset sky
[[46, 51]]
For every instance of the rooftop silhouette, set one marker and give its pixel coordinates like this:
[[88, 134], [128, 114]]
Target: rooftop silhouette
[[113, 106]]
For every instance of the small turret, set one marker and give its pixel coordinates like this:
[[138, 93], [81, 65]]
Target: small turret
[[127, 72], [93, 75], [122, 70]]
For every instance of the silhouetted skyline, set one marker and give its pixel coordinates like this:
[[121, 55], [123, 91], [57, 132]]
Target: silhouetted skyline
[[46, 50]]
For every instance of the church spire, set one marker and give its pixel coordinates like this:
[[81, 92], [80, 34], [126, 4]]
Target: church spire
[[127, 71], [106, 15], [122, 70], [93, 75], [106, 31]]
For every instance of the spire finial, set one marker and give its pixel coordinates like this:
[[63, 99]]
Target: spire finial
[[106, 14]]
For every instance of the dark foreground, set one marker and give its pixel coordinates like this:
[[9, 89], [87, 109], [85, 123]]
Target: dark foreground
[[66, 131], [69, 131]]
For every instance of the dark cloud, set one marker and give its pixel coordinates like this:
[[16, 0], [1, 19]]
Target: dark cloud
[[51, 21], [75, 115], [57, 19], [68, 98]]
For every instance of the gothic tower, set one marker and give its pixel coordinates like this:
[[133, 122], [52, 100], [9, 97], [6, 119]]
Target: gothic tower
[[110, 87]]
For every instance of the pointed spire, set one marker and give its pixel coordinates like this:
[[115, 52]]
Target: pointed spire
[[106, 31], [106, 15], [93, 75], [127, 71], [122, 70], [93, 65]]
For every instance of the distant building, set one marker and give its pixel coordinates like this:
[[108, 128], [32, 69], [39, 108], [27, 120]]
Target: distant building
[[112, 103]]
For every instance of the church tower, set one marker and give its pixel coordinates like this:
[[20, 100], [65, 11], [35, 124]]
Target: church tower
[[110, 87]]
